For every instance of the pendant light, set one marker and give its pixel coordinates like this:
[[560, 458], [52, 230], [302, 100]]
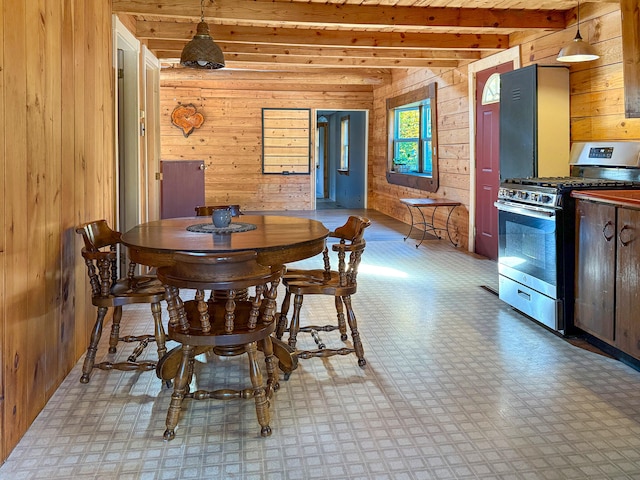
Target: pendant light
[[202, 51], [578, 50]]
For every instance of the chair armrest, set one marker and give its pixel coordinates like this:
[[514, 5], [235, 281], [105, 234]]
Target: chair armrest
[[97, 255]]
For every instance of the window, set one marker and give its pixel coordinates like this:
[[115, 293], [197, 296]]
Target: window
[[491, 92], [412, 155], [412, 139], [344, 145]]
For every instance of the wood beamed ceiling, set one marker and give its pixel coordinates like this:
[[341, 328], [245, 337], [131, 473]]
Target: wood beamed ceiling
[[289, 35]]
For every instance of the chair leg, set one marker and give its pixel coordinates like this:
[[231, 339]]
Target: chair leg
[[270, 362], [181, 384], [161, 337], [355, 335], [294, 326], [115, 329], [282, 319], [342, 325], [259, 394], [90, 358]]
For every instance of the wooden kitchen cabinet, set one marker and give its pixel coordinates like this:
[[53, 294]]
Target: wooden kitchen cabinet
[[595, 269], [627, 326], [607, 287]]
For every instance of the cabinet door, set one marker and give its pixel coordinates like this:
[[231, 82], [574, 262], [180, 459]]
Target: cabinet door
[[628, 282], [182, 188], [595, 268]]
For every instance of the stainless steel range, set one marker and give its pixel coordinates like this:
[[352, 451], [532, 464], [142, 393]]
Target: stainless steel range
[[536, 241]]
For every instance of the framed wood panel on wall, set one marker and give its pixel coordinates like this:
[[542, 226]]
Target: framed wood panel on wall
[[286, 141]]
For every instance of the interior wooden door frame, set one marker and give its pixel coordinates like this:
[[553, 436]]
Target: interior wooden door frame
[[325, 163], [151, 129], [510, 55], [127, 211]]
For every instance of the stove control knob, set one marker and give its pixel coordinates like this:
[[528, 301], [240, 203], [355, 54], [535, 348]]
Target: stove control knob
[[535, 197], [545, 199]]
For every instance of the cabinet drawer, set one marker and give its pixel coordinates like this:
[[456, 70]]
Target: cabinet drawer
[[531, 303]]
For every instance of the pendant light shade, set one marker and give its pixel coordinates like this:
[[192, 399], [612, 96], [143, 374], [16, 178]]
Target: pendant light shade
[[578, 50], [202, 51]]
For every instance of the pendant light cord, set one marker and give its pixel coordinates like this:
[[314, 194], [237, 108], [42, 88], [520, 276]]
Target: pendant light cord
[[578, 36]]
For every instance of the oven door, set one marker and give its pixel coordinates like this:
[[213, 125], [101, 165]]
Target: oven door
[[527, 260], [527, 246]]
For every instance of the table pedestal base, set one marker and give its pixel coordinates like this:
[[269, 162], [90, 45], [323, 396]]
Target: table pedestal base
[[167, 367]]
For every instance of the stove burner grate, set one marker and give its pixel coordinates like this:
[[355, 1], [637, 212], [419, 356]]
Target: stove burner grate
[[568, 183]]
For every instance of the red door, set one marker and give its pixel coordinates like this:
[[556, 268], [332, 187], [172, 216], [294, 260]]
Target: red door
[[182, 188], [487, 164]]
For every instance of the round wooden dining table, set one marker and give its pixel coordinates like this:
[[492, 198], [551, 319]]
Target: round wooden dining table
[[277, 239]]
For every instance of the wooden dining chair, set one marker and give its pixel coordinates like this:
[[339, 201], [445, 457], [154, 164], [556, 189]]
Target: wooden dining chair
[[110, 291], [226, 326], [340, 283], [207, 210]]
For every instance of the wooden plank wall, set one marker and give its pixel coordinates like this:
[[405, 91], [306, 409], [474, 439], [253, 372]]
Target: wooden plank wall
[[597, 110], [56, 171], [230, 140], [597, 91], [453, 148], [3, 163]]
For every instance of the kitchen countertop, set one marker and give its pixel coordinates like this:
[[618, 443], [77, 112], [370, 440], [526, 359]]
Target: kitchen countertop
[[625, 198]]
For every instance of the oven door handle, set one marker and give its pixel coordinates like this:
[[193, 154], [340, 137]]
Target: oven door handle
[[529, 211]]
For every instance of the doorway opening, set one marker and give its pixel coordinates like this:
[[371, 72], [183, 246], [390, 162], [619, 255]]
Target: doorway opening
[[341, 159]]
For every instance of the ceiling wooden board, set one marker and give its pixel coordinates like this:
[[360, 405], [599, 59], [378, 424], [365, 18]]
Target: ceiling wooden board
[[352, 34]]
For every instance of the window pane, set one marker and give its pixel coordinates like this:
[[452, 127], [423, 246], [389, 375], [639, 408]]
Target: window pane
[[408, 123], [407, 152], [344, 144], [426, 120], [427, 158], [491, 91]]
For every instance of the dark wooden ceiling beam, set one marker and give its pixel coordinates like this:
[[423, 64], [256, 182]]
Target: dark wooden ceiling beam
[[174, 47], [267, 76], [326, 62], [335, 38], [346, 15]]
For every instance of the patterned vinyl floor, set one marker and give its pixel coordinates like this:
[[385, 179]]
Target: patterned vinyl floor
[[457, 386]]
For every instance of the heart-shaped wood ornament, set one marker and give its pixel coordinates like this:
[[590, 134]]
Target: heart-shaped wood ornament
[[187, 118]]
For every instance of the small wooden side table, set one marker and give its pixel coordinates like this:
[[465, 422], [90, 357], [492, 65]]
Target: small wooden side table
[[428, 226]]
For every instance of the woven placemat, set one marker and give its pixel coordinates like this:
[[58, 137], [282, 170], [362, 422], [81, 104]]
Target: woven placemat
[[231, 228]]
